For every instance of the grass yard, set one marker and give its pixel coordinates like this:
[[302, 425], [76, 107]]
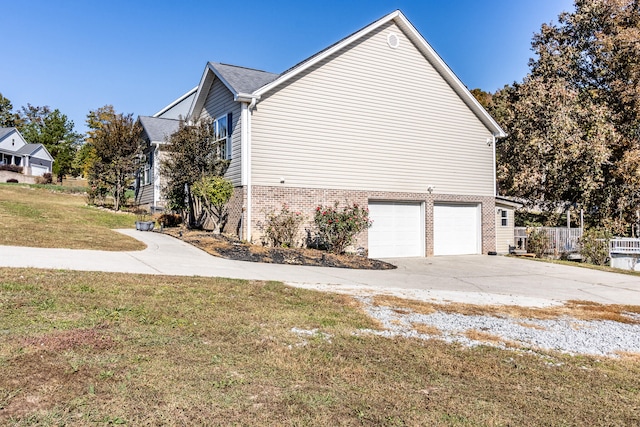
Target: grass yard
[[38, 217], [80, 348], [87, 348]]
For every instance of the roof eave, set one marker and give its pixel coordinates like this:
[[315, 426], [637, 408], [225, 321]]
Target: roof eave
[[306, 65], [209, 75], [176, 102], [245, 97], [509, 202]]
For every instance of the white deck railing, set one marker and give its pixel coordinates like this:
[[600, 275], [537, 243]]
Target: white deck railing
[[561, 239], [624, 245]]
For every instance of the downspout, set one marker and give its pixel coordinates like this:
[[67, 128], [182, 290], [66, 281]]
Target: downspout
[[247, 108], [494, 139], [156, 174]]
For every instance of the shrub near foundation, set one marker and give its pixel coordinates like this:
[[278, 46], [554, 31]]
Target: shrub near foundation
[[338, 227], [283, 227]]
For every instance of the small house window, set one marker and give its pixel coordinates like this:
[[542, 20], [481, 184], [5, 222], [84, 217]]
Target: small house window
[[504, 218], [222, 136], [146, 175]]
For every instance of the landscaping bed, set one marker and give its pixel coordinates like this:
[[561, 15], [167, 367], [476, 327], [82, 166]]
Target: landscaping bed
[[229, 247]]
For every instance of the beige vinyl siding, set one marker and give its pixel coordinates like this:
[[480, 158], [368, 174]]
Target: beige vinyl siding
[[372, 118], [220, 102], [504, 235]]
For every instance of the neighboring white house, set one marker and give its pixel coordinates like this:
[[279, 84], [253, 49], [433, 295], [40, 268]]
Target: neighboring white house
[[376, 119], [34, 159]]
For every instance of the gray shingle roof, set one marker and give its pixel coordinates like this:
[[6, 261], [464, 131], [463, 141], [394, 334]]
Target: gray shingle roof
[[241, 79], [28, 149], [5, 131], [157, 129]]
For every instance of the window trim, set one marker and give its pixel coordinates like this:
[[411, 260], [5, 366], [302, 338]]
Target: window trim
[[227, 147], [504, 218], [146, 171]]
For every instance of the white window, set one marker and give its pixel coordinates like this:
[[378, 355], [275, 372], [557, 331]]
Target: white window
[[504, 218], [222, 136], [146, 174]]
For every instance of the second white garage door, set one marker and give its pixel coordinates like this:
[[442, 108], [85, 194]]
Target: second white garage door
[[456, 229], [397, 230]]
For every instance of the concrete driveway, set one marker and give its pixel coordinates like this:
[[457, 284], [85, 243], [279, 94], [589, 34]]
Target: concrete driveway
[[475, 279]]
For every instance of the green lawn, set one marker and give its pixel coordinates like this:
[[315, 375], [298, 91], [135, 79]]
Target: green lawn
[[39, 217], [81, 348], [88, 348]]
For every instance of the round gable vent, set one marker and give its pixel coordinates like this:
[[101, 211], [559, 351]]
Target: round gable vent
[[393, 40]]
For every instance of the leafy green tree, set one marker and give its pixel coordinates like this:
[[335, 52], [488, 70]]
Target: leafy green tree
[[116, 144], [574, 122], [96, 121], [557, 147], [84, 159], [214, 193], [191, 155], [41, 125], [484, 98], [8, 118]]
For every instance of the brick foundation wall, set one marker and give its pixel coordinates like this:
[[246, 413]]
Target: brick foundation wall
[[266, 199], [304, 200], [234, 210]]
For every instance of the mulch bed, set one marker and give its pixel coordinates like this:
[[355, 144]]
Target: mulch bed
[[229, 247]]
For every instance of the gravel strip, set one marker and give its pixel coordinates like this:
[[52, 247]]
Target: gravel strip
[[566, 335]]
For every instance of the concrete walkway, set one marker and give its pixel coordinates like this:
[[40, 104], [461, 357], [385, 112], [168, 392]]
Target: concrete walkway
[[475, 279]]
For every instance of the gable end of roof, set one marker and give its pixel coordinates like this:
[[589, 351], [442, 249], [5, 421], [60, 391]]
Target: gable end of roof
[[158, 129], [420, 42], [4, 132]]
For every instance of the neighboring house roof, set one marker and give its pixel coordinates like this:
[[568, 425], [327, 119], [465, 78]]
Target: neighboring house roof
[[29, 149], [241, 79], [6, 131], [23, 150], [243, 82], [158, 129], [176, 105]]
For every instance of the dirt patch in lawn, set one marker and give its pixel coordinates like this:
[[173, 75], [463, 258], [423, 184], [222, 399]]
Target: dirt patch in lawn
[[229, 247]]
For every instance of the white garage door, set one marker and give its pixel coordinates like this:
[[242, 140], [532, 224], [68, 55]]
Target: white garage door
[[456, 229], [37, 170], [397, 230]]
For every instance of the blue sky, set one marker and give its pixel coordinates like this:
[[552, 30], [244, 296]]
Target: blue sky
[[139, 55]]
